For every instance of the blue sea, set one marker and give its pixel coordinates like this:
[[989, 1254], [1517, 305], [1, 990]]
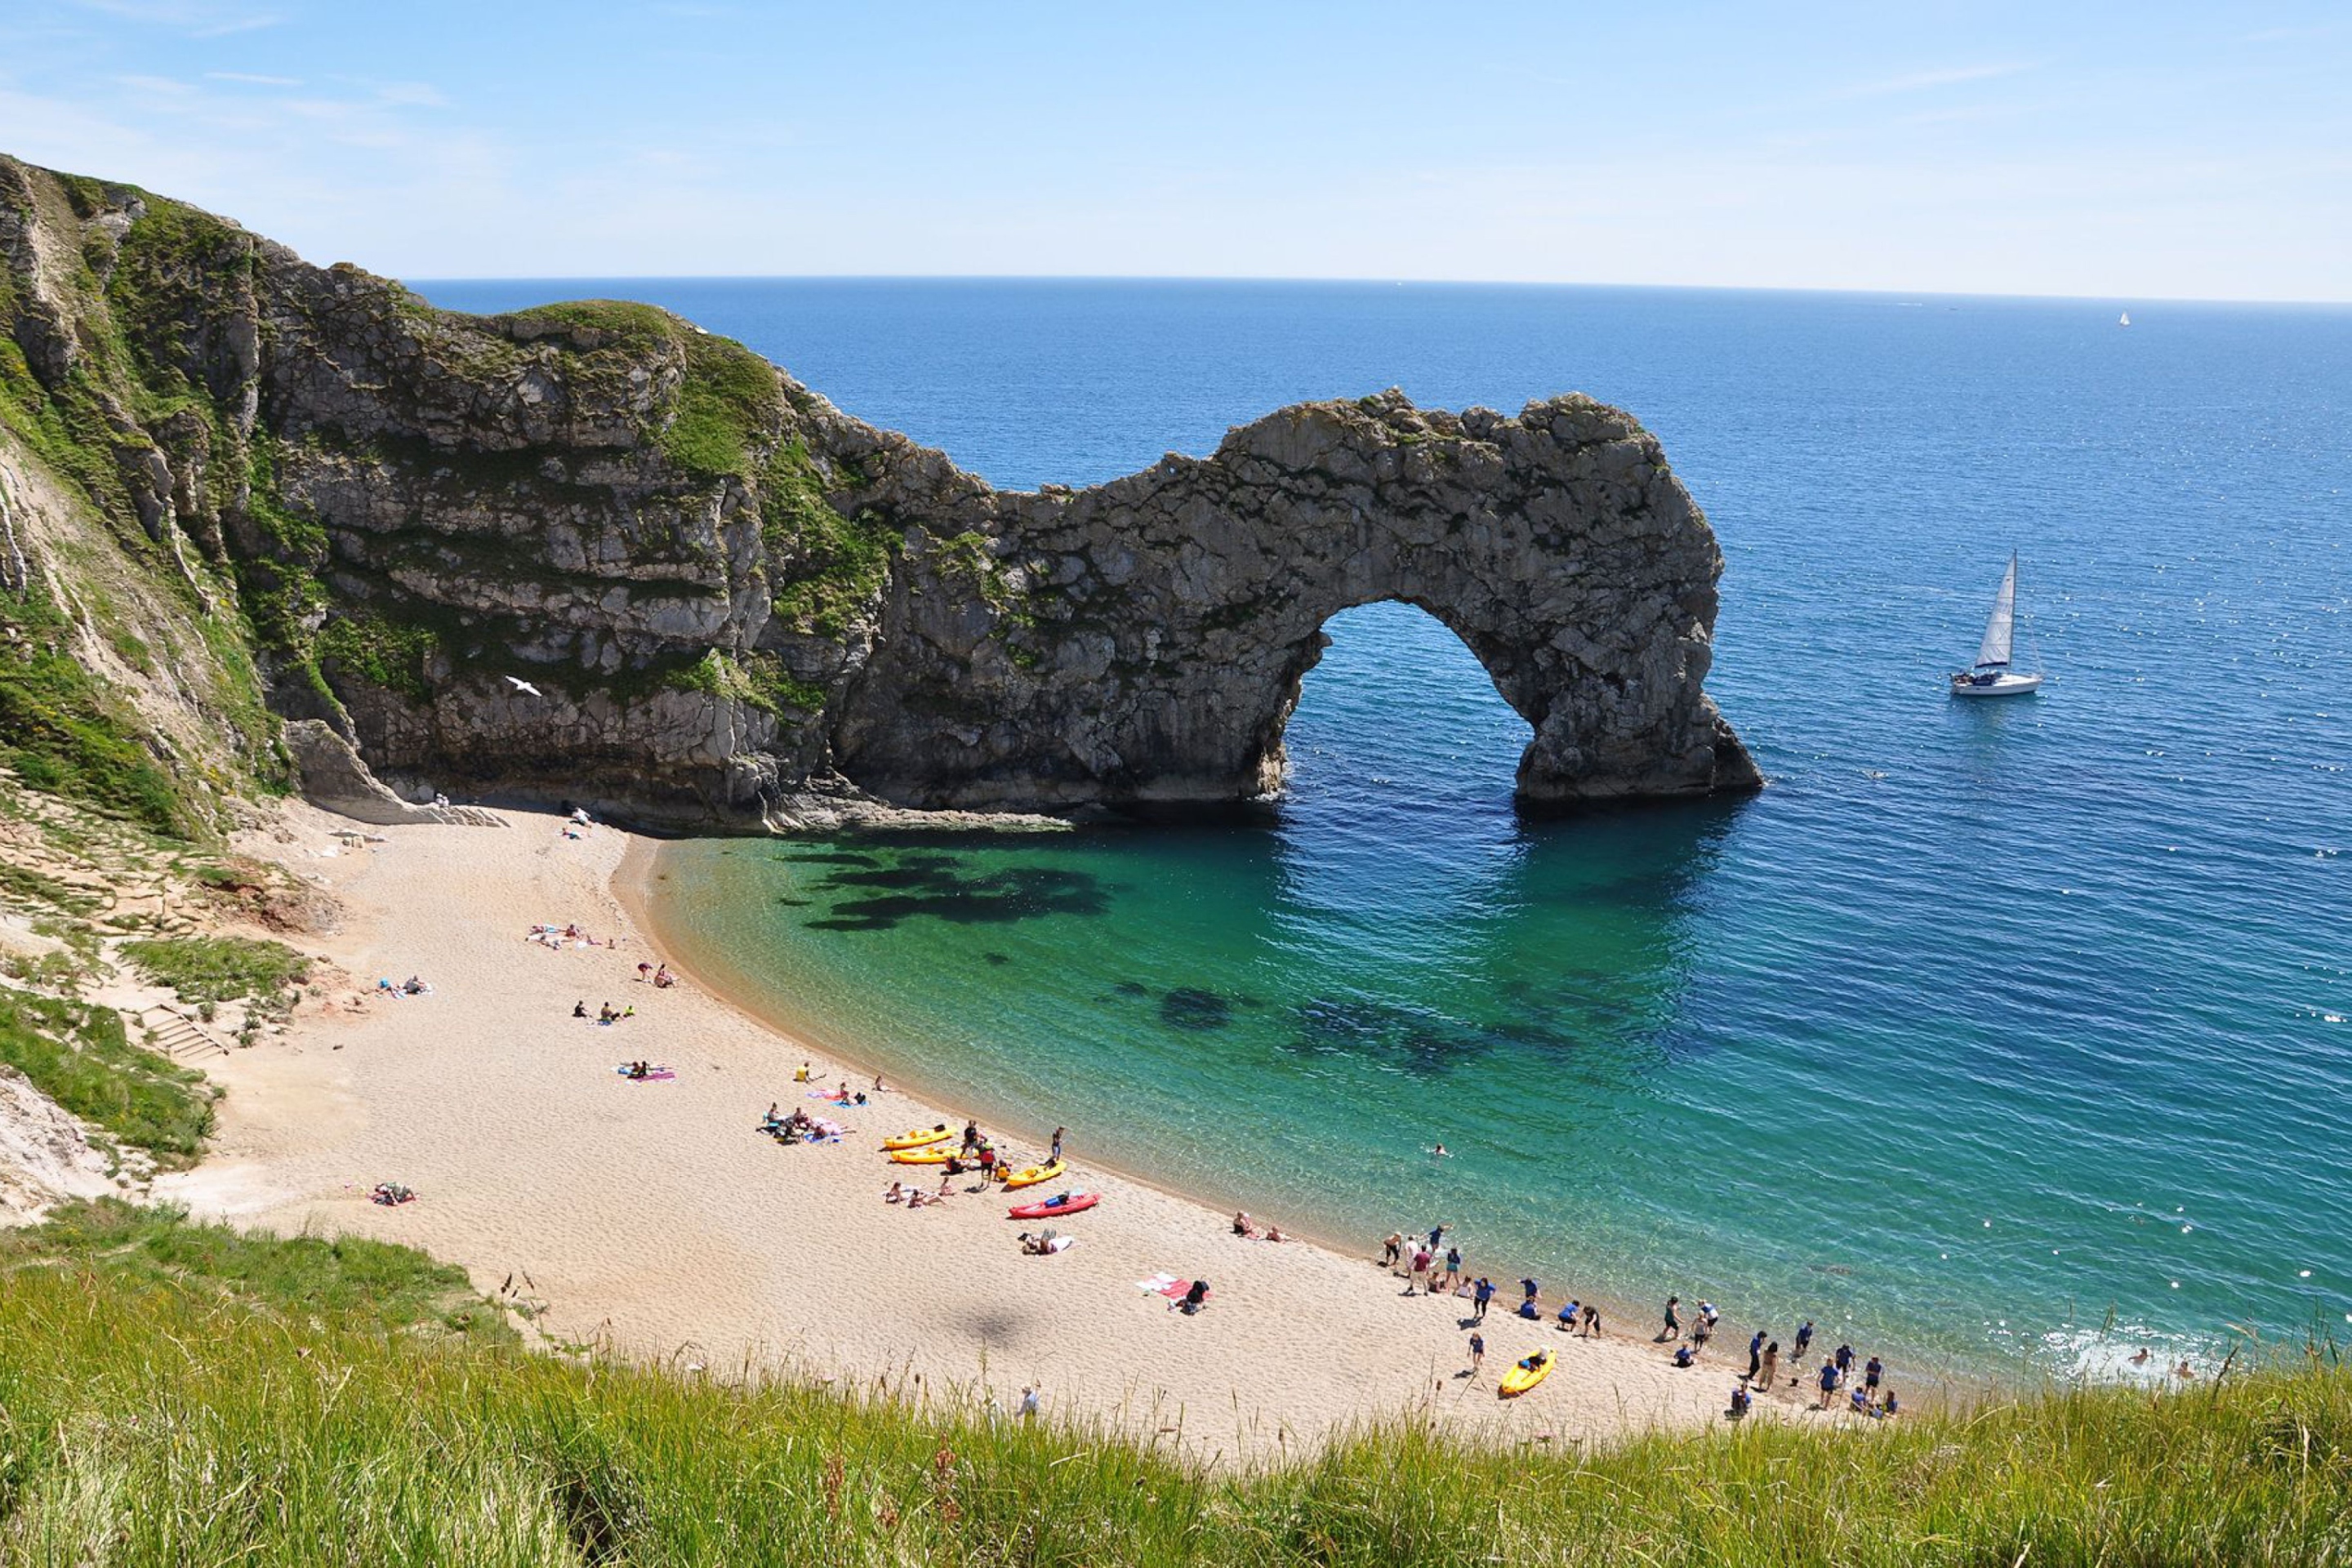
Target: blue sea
[[2010, 1036]]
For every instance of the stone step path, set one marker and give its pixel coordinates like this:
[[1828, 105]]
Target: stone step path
[[179, 1037]]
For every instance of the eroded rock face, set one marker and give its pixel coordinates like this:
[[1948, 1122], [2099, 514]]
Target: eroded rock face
[[1143, 642], [591, 553]]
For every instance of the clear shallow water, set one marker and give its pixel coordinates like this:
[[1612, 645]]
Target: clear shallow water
[[1982, 1022]]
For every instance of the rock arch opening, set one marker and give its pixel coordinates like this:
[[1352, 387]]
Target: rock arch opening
[[1393, 708]]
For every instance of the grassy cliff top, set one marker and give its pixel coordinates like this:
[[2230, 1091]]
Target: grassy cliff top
[[175, 1395]]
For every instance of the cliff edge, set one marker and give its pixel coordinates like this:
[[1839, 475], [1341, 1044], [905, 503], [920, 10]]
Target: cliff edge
[[592, 552]]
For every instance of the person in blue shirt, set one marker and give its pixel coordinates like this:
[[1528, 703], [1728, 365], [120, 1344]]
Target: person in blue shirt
[[1685, 1355], [1755, 1355], [1477, 1352], [1829, 1381], [1480, 1294], [1527, 1308], [1568, 1314], [1804, 1338]]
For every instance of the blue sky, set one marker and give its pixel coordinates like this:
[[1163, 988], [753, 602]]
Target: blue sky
[[2117, 151]]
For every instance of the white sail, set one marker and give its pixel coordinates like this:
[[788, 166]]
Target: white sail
[[1993, 652]]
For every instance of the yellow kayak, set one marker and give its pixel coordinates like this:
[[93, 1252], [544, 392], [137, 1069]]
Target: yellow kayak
[[1526, 1375], [935, 1155], [1033, 1174], [918, 1138]]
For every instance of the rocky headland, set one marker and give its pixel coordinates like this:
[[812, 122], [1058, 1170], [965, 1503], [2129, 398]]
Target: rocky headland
[[592, 552]]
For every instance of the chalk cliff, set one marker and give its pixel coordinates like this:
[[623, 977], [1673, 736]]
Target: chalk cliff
[[591, 551]]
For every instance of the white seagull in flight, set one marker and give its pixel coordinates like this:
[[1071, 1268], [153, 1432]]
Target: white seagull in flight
[[521, 684]]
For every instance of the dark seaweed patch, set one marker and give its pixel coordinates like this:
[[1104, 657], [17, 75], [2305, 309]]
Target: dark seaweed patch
[[1189, 1008], [935, 885]]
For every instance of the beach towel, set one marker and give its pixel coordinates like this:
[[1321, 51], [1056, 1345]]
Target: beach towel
[[1175, 1290], [1061, 1243], [1158, 1285]]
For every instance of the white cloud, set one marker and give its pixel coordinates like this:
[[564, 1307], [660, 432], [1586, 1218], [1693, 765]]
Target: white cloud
[[253, 78]]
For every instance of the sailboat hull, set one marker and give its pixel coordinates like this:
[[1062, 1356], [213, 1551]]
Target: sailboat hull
[[2005, 684]]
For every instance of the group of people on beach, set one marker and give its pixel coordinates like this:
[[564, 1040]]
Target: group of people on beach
[[555, 936], [1871, 1396], [606, 1014], [1434, 1266]]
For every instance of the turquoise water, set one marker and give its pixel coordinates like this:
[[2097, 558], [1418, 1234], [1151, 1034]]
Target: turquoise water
[[1983, 1024]]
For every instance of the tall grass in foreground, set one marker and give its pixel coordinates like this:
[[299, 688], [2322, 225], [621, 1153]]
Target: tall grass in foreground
[[146, 1421]]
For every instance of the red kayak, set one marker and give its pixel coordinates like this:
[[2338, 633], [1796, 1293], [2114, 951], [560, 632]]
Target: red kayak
[[1069, 1203]]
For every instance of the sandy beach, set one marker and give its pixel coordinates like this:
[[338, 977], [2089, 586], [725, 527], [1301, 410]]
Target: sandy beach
[[653, 1219]]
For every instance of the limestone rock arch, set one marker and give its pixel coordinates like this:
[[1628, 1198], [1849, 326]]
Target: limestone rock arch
[[1141, 642]]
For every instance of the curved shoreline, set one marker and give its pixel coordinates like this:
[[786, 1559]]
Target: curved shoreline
[[1925, 1384], [652, 1220]]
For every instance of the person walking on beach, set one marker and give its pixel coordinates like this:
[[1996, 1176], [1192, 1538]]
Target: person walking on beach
[[1829, 1381], [1804, 1339], [1477, 1351], [1452, 1268], [1392, 1249], [1871, 1371], [1419, 1275], [1480, 1294], [1673, 1329], [1437, 1236], [1772, 1368], [1845, 1363], [1056, 1156], [971, 1137], [1755, 1355]]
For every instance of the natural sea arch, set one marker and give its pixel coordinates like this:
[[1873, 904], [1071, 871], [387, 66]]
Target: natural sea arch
[[1388, 683], [1140, 644]]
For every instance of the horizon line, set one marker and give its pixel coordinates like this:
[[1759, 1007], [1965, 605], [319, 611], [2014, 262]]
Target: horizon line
[[2018, 295]]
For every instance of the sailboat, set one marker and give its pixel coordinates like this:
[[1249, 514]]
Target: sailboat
[[1991, 675], [2123, 319]]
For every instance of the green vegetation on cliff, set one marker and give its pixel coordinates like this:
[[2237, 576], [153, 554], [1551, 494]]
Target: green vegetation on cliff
[[60, 731], [77, 1056], [825, 569], [170, 1394], [219, 968], [101, 381], [350, 1281]]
